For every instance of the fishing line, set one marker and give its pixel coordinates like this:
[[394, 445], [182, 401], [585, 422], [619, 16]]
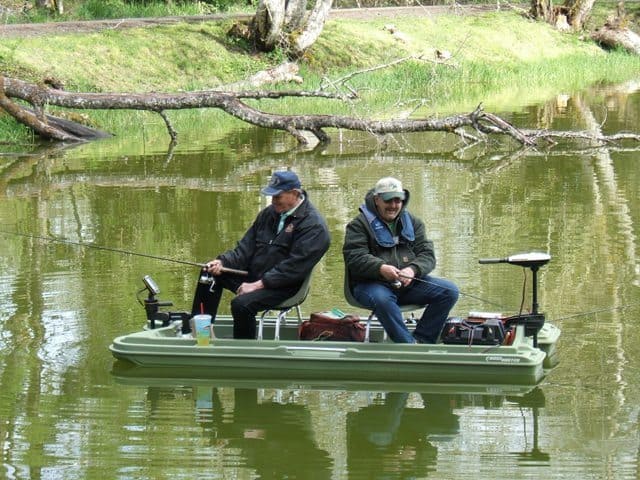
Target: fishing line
[[418, 279], [98, 247], [575, 315], [601, 310]]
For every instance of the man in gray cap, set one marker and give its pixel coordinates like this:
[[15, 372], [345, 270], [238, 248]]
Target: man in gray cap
[[279, 251], [389, 260]]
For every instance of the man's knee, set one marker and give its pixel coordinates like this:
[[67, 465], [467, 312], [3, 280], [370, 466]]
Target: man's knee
[[453, 293], [240, 306], [449, 291]]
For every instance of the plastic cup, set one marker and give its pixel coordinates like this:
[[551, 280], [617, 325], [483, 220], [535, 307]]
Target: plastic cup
[[202, 329]]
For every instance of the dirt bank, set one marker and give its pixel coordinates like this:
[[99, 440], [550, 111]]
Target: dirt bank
[[54, 28]]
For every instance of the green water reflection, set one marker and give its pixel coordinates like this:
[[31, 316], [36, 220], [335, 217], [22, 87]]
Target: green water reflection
[[351, 434], [66, 415]]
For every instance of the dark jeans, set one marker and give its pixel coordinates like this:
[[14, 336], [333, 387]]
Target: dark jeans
[[244, 308]]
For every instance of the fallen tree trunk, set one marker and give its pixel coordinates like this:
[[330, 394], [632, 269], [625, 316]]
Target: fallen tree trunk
[[616, 37], [285, 72], [472, 126]]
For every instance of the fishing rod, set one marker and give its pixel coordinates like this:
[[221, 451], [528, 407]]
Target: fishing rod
[[183, 262], [118, 250]]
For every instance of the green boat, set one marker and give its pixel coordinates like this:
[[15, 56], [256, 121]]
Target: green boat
[[479, 349]]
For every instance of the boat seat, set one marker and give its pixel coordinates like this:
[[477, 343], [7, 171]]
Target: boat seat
[[285, 307], [351, 300]]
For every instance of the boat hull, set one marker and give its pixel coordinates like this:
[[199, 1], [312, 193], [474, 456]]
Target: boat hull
[[378, 361]]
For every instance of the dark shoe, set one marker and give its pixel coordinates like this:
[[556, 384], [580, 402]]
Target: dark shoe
[[420, 339]]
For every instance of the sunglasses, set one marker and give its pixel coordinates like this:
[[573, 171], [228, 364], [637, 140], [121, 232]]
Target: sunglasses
[[394, 199]]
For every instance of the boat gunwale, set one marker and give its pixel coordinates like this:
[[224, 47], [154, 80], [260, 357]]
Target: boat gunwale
[[149, 342]]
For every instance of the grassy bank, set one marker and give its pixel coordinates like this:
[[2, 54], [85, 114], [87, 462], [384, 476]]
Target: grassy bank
[[497, 58], [19, 11]]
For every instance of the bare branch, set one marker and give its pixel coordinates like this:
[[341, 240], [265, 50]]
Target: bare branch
[[507, 128], [326, 83], [172, 131]]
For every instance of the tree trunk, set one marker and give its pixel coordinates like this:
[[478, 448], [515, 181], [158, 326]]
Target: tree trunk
[[267, 25], [56, 5], [466, 126], [542, 10], [579, 11], [571, 15], [36, 122], [294, 13], [287, 24], [313, 28]]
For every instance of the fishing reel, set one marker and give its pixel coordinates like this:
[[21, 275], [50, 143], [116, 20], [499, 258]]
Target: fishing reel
[[152, 308], [206, 278]]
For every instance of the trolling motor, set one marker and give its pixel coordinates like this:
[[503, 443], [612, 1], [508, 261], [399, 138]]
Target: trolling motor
[[533, 321], [482, 328], [152, 307]]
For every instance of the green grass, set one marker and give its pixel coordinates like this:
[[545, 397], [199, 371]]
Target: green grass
[[167, 58], [499, 59], [15, 12]]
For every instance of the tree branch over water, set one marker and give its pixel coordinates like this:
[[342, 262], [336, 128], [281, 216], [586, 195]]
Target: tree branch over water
[[474, 126]]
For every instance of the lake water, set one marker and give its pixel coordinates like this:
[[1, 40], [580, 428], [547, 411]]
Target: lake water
[[68, 410]]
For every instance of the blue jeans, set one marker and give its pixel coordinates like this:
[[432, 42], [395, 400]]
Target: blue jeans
[[439, 296]]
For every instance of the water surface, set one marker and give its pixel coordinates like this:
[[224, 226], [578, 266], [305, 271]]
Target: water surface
[[69, 411]]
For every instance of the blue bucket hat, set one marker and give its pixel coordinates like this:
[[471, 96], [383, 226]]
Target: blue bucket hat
[[281, 181]]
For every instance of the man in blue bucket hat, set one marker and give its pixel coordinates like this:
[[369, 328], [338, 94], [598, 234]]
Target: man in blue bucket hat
[[389, 260], [279, 251]]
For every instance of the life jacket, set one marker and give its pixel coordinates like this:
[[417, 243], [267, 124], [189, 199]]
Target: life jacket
[[381, 232]]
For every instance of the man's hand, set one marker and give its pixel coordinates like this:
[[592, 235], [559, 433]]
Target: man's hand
[[389, 272], [406, 276], [214, 267], [248, 287], [393, 274]]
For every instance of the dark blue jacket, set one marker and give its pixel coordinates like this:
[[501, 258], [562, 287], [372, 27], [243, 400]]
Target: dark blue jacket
[[282, 259]]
